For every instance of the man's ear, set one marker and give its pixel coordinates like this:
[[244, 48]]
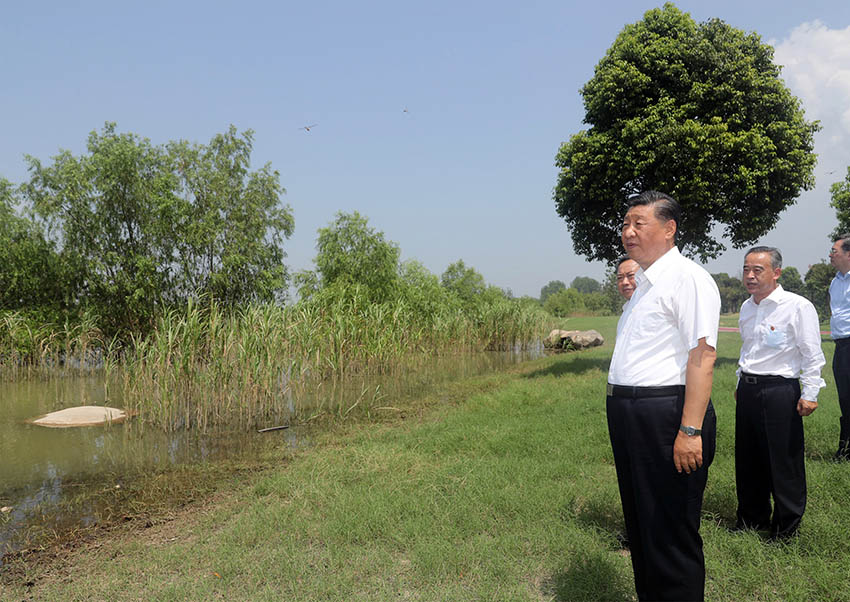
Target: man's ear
[[670, 229]]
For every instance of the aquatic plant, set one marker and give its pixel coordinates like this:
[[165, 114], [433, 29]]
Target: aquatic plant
[[206, 366]]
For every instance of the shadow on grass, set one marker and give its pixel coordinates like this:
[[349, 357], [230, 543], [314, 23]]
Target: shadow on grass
[[820, 454], [724, 361], [602, 515], [591, 577], [579, 365], [719, 505], [572, 365]]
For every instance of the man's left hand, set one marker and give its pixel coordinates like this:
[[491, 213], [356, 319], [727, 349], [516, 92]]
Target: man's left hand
[[806, 407], [687, 452]]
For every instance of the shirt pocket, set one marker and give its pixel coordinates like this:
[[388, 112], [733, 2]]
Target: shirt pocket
[[774, 338]]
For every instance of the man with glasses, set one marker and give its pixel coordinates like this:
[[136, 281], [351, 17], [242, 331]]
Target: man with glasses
[[778, 383], [839, 324]]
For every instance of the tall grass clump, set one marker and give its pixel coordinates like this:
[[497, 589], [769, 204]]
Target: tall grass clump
[[206, 366], [30, 348]]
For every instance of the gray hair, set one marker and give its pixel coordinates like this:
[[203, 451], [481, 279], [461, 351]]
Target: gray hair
[[775, 255], [845, 241]]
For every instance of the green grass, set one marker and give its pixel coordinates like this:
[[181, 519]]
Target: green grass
[[502, 488]]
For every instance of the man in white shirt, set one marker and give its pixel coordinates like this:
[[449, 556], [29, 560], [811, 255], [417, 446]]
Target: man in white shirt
[[839, 324], [778, 383], [626, 270], [660, 419]]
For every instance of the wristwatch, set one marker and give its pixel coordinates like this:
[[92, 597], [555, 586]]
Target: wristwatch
[[690, 431]]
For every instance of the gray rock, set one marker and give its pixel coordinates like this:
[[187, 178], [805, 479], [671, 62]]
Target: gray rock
[[569, 340]]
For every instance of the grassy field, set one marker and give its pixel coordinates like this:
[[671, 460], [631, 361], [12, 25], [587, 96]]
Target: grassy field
[[496, 488]]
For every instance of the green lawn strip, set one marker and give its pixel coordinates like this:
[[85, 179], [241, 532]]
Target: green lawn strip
[[507, 493]]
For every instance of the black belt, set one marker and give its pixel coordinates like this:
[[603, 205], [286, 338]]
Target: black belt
[[635, 392], [842, 341], [763, 379]]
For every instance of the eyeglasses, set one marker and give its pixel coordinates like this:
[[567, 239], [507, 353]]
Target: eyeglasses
[[833, 251]]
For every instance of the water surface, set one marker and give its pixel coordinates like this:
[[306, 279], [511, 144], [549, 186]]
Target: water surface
[[40, 467]]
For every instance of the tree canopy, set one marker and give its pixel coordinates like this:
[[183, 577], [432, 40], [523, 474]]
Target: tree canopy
[[840, 192], [564, 303], [33, 276], [818, 278], [695, 110], [791, 281], [732, 292], [349, 251], [553, 287], [465, 281], [586, 284], [149, 226]]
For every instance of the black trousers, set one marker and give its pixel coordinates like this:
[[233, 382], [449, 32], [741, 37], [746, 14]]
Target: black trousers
[[769, 457], [841, 371], [661, 507]]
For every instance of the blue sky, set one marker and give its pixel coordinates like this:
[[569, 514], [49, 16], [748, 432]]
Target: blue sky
[[466, 172]]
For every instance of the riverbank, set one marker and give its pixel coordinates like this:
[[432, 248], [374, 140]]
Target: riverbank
[[499, 487]]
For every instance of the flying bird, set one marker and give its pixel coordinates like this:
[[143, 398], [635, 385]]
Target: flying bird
[[307, 128]]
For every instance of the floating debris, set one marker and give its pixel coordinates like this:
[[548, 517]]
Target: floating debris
[[81, 416]]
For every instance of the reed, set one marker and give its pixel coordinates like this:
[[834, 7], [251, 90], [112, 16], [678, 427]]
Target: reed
[[206, 367], [29, 349]]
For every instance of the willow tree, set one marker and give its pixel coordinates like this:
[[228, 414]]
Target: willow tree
[[695, 110], [150, 226]]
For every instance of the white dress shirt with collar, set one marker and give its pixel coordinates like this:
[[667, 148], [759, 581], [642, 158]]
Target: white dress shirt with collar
[[781, 337], [839, 304], [675, 304]]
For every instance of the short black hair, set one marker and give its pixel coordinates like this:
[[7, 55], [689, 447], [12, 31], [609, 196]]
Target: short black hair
[[621, 259], [665, 207], [775, 255], [845, 241]]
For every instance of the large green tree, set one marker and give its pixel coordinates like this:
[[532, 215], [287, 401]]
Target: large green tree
[[695, 110], [109, 209], [150, 226], [232, 224]]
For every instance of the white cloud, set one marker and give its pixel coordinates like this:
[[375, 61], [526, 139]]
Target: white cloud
[[816, 66]]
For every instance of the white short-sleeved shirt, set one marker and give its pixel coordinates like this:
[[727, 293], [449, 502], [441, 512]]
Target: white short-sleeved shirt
[[675, 304], [781, 337]]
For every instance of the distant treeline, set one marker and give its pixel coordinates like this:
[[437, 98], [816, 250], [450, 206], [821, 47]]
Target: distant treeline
[[586, 296], [100, 247]]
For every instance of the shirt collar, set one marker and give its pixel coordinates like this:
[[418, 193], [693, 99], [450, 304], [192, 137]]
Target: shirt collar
[[841, 276], [776, 297], [659, 266]]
